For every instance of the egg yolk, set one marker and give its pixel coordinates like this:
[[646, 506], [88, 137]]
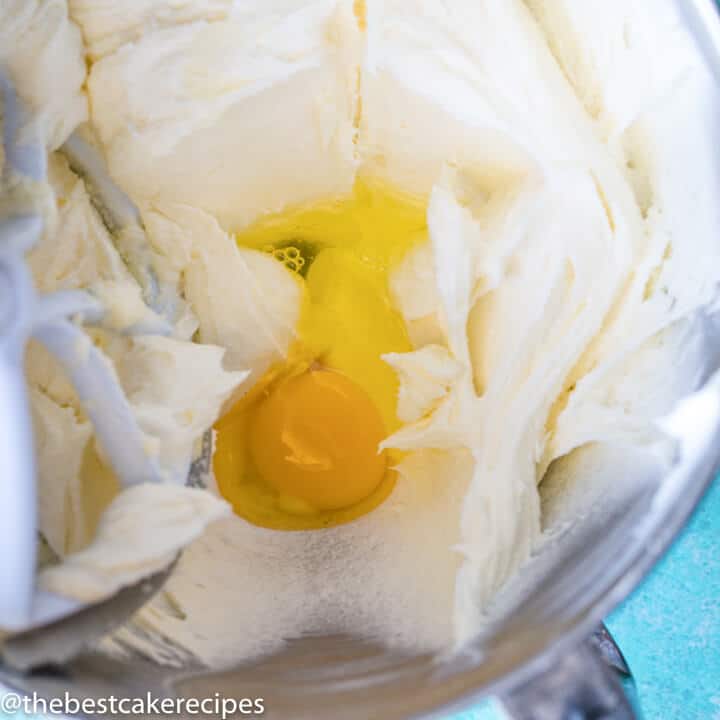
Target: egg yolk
[[315, 439], [300, 450]]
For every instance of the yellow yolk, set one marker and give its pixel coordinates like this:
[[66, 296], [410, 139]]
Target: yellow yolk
[[300, 451], [316, 437]]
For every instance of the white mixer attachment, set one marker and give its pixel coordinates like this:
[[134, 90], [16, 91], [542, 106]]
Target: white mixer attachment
[[24, 314]]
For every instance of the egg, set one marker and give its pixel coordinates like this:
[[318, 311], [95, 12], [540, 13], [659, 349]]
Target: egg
[[301, 449]]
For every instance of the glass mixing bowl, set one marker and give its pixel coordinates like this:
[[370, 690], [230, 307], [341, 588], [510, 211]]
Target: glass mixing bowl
[[535, 653]]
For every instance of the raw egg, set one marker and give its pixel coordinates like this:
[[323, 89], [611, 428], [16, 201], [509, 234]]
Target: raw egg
[[301, 449], [316, 439]]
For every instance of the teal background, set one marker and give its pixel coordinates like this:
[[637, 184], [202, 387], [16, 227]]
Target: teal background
[[669, 628]]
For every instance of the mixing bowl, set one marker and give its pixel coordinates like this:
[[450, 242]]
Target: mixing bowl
[[535, 654]]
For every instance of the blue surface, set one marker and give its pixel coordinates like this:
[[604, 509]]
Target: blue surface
[[669, 629]]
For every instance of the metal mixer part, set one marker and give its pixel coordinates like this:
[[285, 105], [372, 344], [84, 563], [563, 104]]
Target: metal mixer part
[[593, 681]]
